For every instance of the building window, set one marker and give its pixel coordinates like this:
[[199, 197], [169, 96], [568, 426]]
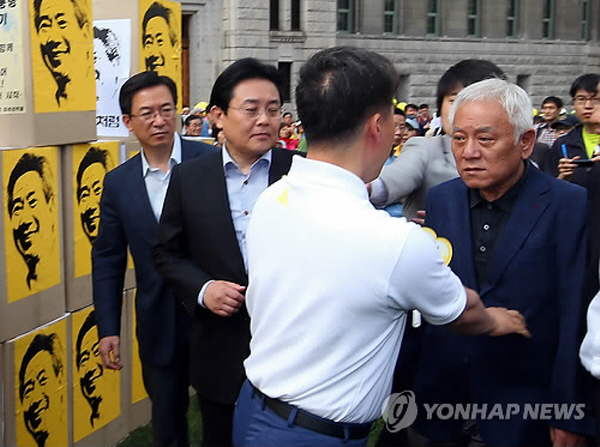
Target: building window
[[548, 20], [473, 18], [512, 14], [433, 17], [285, 77], [390, 21], [345, 16], [274, 15], [295, 15], [585, 20]]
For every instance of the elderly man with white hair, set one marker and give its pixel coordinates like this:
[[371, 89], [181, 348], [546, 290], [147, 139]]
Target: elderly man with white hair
[[518, 238]]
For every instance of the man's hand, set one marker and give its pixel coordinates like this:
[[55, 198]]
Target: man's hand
[[566, 169], [505, 321], [111, 345], [562, 438], [419, 218], [224, 298]]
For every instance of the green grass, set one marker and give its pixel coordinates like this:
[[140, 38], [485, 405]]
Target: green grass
[[142, 436]]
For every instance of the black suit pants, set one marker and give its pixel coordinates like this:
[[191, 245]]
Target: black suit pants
[[168, 388]]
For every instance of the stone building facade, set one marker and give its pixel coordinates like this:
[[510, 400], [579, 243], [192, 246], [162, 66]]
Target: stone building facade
[[541, 44]]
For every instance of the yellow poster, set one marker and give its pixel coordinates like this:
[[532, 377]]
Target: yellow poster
[[31, 232], [160, 30], [91, 162], [62, 55], [96, 390], [138, 391], [41, 387], [12, 79]]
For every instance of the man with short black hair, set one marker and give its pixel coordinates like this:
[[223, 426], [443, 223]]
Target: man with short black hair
[[130, 209], [551, 107], [201, 247], [325, 337]]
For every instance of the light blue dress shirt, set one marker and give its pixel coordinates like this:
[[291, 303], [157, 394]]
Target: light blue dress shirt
[[157, 181], [243, 191]]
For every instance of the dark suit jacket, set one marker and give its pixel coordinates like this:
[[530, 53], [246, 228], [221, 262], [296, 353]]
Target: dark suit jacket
[[197, 243], [538, 269], [127, 219]]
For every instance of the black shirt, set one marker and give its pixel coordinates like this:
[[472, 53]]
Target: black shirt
[[488, 220]]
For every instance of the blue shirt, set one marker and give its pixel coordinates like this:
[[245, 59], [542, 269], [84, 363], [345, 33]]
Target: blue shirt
[[243, 191], [156, 180]]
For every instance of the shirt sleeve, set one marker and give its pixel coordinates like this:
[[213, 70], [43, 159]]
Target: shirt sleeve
[[379, 193], [420, 280], [590, 348]]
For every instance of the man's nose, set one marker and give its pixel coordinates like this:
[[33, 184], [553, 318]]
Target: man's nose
[[471, 149]]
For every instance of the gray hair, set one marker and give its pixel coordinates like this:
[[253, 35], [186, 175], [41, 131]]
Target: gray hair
[[513, 99]]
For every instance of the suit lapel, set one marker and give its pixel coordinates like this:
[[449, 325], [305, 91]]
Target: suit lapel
[[141, 206], [530, 205]]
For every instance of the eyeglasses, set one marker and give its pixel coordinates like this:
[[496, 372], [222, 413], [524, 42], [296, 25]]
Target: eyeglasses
[[582, 100], [254, 112], [150, 115]]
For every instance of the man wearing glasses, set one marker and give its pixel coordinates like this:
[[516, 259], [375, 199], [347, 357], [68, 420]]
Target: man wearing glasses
[[201, 248], [130, 209]]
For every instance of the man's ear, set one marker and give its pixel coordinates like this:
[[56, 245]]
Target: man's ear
[[127, 122], [217, 114], [526, 143]]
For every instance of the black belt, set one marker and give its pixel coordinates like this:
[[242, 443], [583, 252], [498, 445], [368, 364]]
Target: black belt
[[315, 423]]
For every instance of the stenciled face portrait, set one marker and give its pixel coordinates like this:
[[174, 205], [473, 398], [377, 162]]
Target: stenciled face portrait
[[41, 385], [107, 59], [90, 191], [160, 33], [89, 367], [32, 236], [159, 42], [31, 215], [63, 38], [90, 180]]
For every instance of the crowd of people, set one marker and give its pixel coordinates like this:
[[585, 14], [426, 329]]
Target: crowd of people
[[269, 280]]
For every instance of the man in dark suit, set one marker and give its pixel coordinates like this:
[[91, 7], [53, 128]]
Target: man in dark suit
[[130, 208], [201, 248], [518, 238]]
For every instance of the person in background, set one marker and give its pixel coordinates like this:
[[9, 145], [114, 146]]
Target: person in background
[[193, 126], [545, 132]]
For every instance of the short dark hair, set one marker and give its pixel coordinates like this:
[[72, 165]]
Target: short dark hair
[[286, 114], [141, 81], [158, 10], [411, 105], [588, 82], [78, 9], [241, 70], [423, 106], [93, 155], [326, 95], [465, 73], [191, 118], [88, 324], [399, 111], [41, 342], [554, 100], [30, 163]]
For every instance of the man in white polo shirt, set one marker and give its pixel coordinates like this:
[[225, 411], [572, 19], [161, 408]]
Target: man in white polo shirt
[[328, 301]]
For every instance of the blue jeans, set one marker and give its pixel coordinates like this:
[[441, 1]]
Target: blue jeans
[[255, 425]]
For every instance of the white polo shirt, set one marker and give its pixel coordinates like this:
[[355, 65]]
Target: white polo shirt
[[331, 279]]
